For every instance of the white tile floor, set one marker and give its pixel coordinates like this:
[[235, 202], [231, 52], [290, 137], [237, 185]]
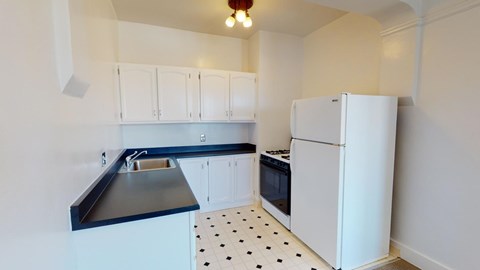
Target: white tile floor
[[249, 238]]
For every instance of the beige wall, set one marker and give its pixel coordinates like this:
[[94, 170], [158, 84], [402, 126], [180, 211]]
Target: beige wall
[[435, 213], [148, 44], [51, 143], [343, 56], [278, 61]]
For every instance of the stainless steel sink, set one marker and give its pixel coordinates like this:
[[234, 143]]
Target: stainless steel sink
[[151, 164]]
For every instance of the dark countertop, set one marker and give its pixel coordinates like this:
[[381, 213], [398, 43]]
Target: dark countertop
[[122, 197]]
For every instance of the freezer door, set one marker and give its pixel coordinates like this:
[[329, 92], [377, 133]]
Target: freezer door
[[317, 178], [320, 119]]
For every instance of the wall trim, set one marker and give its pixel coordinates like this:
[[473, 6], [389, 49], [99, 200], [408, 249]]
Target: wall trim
[[400, 27], [441, 13], [432, 16], [416, 258]]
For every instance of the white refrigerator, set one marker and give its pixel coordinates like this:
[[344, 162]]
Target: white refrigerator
[[342, 157]]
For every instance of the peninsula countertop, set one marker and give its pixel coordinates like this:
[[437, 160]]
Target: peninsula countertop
[[123, 197]]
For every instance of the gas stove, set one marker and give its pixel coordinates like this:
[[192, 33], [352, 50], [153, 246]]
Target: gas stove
[[282, 155]]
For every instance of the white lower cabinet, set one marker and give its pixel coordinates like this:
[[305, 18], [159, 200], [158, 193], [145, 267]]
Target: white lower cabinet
[[220, 182], [166, 242]]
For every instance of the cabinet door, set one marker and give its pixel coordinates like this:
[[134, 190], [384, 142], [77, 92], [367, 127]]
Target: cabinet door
[[220, 186], [243, 175], [138, 93], [214, 95], [242, 96], [174, 94], [196, 173]]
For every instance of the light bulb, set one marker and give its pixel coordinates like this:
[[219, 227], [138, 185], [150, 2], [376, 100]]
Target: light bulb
[[240, 15], [248, 22], [230, 22]]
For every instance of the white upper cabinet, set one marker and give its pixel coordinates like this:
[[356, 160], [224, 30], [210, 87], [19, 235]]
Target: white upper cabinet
[[163, 94], [214, 95], [155, 93], [242, 96], [174, 93], [138, 91]]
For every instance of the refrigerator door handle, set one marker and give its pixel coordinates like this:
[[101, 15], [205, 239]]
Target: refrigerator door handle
[[292, 156], [292, 119]]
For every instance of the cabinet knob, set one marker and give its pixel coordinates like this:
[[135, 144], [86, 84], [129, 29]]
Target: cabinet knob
[[226, 113]]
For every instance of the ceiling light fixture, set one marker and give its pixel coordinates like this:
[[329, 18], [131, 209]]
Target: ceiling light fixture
[[240, 13]]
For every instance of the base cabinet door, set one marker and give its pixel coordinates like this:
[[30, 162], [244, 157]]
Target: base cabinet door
[[243, 178], [196, 173], [220, 184]]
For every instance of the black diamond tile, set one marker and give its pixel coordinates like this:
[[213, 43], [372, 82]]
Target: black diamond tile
[[252, 210], [275, 233], [234, 231], [229, 258], [223, 245], [208, 217], [229, 222], [279, 260], [268, 247], [198, 236], [241, 241], [313, 268], [285, 243], [259, 216], [202, 250], [195, 226], [238, 213], [217, 235], [206, 264], [224, 215], [299, 255], [249, 252], [259, 236], [212, 226], [259, 266], [266, 224], [251, 228], [244, 219]]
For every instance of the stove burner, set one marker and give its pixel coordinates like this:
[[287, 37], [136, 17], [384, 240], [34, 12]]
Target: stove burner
[[278, 152]]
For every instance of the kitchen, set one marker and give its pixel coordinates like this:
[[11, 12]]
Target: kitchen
[[60, 138]]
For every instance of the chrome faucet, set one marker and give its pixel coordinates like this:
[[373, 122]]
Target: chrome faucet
[[129, 159]]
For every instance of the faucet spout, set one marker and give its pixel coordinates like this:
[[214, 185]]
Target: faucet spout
[[129, 159]]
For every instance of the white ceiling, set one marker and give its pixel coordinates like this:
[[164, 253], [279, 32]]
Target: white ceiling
[[295, 17]]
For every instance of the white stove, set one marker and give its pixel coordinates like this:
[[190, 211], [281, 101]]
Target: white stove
[[282, 155], [275, 184]]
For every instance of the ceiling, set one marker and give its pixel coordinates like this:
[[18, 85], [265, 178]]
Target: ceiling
[[294, 17]]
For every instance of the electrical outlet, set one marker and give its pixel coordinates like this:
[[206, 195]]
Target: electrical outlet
[[203, 138], [104, 159]]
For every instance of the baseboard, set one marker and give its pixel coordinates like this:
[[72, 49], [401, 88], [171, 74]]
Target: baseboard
[[416, 258]]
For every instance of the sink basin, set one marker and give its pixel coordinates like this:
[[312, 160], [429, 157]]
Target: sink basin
[[142, 165]]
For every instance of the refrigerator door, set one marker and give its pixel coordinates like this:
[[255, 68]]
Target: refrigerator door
[[319, 119], [317, 181]]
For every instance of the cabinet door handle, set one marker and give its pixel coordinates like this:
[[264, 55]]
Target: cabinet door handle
[[226, 113], [231, 113], [159, 112], [154, 113]]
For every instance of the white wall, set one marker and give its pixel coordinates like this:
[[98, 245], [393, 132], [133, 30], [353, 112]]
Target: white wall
[[435, 211], [343, 56], [184, 134], [278, 61], [50, 143], [148, 44]]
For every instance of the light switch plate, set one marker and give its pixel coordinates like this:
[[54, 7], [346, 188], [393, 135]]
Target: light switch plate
[[203, 138]]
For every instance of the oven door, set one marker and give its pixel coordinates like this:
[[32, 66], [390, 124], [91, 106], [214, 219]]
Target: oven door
[[275, 186]]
